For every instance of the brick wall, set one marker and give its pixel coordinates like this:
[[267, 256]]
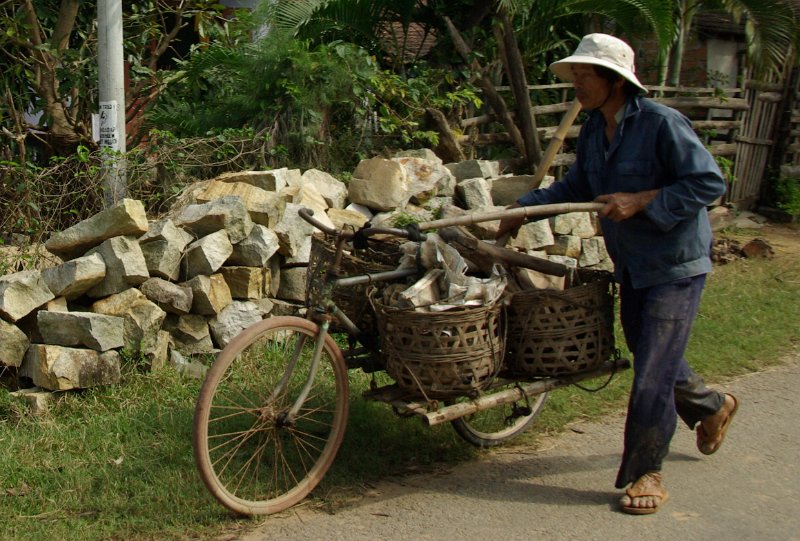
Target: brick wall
[[693, 70]]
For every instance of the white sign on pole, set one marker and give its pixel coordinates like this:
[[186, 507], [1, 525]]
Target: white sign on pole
[[109, 138]]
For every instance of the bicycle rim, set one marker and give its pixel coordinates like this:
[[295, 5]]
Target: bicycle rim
[[251, 457]]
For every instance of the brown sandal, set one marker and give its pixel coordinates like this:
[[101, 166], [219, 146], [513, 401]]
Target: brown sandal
[[708, 444], [648, 485]]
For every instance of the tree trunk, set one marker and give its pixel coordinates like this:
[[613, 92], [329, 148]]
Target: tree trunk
[[448, 148], [492, 97], [688, 9], [63, 132], [515, 71]]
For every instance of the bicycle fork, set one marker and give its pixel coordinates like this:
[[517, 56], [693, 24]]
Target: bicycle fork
[[287, 419]]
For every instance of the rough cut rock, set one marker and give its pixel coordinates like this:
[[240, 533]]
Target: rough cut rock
[[474, 169], [59, 368], [21, 293], [142, 318], [379, 184], [162, 247], [168, 296], [13, 344], [507, 189], [232, 320], [475, 192], [95, 331], [127, 217], [74, 278], [579, 224], [566, 245], [256, 249], [228, 214], [190, 333], [244, 282], [533, 236], [293, 231], [346, 218], [210, 294], [293, 285], [264, 207], [334, 191], [207, 255], [426, 179], [125, 266]]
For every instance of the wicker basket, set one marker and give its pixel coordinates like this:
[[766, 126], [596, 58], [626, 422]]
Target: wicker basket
[[553, 333], [380, 256], [441, 354]]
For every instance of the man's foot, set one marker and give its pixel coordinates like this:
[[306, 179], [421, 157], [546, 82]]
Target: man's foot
[[711, 430], [645, 496]]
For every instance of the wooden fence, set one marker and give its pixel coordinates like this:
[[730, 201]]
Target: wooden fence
[[736, 124]]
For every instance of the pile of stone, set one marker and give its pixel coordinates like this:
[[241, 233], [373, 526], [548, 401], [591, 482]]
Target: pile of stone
[[176, 289]]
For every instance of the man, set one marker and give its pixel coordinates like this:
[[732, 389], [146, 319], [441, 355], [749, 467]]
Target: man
[[646, 164]]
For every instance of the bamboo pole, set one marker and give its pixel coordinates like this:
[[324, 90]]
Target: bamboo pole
[[555, 143], [539, 211], [515, 394]]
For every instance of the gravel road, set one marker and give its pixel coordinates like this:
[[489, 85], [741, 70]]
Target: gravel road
[[563, 490]]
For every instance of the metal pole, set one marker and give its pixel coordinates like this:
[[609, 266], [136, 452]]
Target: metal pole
[[112, 98]]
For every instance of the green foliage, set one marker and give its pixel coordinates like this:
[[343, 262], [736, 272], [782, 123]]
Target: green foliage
[[787, 190], [308, 101], [401, 101], [48, 50], [403, 219], [726, 166]]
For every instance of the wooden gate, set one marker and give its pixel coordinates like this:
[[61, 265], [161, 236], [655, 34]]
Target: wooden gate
[[755, 141]]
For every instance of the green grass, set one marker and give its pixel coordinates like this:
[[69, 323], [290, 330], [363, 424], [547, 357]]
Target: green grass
[[116, 462]]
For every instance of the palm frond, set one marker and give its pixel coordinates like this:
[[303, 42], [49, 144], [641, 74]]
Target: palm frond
[[771, 28]]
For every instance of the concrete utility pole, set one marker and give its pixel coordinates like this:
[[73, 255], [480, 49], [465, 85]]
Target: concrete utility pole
[[112, 98]]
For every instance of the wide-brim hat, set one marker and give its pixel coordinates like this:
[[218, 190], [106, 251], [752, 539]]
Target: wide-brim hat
[[600, 50]]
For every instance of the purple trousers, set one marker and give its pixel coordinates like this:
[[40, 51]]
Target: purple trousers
[[657, 321]]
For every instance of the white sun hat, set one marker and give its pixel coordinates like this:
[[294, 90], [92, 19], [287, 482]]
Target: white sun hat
[[600, 50]]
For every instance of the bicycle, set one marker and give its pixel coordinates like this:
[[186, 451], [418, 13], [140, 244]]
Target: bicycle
[[272, 411]]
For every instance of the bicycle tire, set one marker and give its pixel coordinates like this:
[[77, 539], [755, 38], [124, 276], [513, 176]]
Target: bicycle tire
[[490, 427], [251, 459]]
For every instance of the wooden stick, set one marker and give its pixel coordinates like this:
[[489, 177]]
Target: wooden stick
[[555, 143], [540, 211], [485, 255], [552, 149]]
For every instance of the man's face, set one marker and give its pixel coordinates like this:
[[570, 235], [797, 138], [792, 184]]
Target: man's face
[[590, 89]]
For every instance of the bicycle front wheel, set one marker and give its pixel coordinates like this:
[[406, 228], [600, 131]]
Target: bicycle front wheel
[[253, 455]]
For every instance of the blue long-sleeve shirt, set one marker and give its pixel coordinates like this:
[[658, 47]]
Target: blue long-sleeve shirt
[[654, 147]]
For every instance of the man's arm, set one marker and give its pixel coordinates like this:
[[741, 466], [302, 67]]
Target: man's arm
[[697, 178]]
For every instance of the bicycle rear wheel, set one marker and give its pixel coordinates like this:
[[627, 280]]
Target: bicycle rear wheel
[[494, 426], [253, 457]]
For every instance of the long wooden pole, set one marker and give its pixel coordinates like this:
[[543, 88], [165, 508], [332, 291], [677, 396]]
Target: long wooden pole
[[540, 211], [555, 143], [552, 149]]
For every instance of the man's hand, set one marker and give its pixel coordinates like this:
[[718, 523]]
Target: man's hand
[[621, 206]]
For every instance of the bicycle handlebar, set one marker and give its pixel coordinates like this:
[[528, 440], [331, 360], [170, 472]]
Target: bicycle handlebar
[[308, 215]]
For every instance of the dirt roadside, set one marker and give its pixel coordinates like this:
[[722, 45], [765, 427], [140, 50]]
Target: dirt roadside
[[563, 488]]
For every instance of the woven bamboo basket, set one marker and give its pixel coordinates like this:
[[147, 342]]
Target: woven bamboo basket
[[441, 354], [378, 257], [552, 333]]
